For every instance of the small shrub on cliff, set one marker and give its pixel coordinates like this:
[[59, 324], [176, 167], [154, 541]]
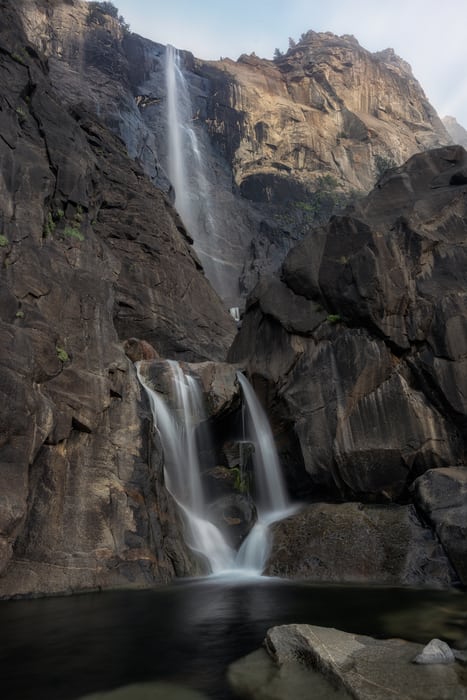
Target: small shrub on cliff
[[383, 163], [73, 232], [3, 241], [62, 354], [21, 114], [49, 226], [334, 318], [97, 10], [241, 480], [20, 56]]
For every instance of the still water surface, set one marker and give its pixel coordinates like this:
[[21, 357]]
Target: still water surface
[[188, 633]]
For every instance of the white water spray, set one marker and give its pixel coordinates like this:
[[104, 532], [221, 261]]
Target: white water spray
[[177, 427]]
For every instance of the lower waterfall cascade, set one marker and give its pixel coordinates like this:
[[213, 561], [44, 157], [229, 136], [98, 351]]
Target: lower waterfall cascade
[[177, 425]]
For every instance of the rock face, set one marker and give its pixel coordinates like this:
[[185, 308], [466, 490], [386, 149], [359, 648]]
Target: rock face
[[327, 106], [282, 143], [441, 495], [372, 544], [302, 132], [91, 254], [359, 349], [456, 131]]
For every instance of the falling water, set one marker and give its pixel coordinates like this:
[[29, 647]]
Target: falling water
[[178, 108], [182, 470], [270, 485], [273, 503], [177, 428], [194, 198]]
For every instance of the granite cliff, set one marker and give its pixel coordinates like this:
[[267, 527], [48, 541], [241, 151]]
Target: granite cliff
[[359, 348], [91, 255], [456, 131], [285, 142]]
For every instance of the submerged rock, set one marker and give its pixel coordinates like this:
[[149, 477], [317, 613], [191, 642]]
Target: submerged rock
[[257, 677], [234, 515], [148, 691]]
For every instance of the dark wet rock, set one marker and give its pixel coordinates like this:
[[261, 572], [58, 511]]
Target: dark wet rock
[[234, 515], [219, 385], [356, 543], [257, 677], [221, 480], [441, 496], [137, 350]]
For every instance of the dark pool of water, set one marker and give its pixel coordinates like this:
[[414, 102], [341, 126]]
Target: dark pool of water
[[188, 633]]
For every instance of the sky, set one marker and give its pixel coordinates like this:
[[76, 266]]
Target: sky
[[429, 34]]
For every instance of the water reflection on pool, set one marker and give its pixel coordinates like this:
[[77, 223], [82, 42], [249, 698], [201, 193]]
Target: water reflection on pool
[[187, 633]]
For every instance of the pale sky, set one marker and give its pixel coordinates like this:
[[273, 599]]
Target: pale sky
[[431, 35]]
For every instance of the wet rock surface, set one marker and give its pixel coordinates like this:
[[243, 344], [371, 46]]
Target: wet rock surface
[[441, 495], [235, 515], [357, 543]]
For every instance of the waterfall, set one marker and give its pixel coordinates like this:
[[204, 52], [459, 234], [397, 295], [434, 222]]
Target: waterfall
[[176, 429], [179, 137], [273, 503], [194, 199], [272, 495], [177, 426]]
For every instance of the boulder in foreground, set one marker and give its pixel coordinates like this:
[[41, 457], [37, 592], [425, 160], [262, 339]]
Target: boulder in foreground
[[356, 666]]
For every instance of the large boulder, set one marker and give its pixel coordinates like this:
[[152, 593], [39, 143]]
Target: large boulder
[[356, 543], [441, 496], [355, 666]]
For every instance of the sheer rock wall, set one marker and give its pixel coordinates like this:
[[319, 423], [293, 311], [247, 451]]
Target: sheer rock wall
[[91, 254]]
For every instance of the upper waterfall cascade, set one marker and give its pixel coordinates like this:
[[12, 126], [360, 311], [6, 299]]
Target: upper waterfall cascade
[[195, 198], [179, 420]]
